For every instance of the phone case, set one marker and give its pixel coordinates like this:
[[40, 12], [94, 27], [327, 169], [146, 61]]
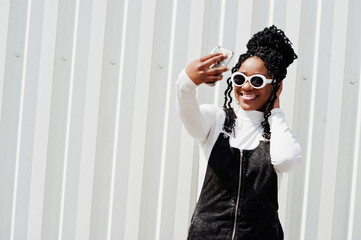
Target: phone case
[[224, 62]]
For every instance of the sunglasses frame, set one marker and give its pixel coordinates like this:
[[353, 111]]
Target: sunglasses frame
[[265, 80]]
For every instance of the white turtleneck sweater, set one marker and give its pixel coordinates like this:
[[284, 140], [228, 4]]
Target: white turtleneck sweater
[[205, 122]]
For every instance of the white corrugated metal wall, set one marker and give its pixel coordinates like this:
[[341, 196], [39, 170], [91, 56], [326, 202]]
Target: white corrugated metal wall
[[91, 146]]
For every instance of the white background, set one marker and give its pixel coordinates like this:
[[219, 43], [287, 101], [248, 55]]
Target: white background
[[91, 146]]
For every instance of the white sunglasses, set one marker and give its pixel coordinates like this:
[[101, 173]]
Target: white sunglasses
[[257, 81]]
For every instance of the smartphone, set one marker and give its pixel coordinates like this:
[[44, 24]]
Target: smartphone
[[224, 62]]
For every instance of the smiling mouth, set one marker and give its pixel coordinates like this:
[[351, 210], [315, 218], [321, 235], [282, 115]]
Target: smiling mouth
[[248, 97]]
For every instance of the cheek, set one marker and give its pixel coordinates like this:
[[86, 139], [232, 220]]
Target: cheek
[[265, 95], [235, 91], [267, 91]]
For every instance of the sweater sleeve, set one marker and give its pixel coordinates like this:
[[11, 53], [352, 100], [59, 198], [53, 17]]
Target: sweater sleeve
[[285, 150], [198, 120]]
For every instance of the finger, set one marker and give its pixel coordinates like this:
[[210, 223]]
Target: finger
[[208, 56], [213, 78], [214, 59], [212, 84], [280, 89], [217, 71]]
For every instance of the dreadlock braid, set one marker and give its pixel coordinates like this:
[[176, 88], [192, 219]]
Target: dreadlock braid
[[273, 47], [268, 109], [230, 120]]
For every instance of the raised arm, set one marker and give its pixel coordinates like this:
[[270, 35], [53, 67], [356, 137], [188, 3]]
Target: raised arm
[[286, 152], [197, 120]]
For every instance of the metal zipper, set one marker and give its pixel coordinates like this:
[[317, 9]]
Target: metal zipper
[[239, 189]]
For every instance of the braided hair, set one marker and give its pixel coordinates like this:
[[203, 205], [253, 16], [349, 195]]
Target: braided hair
[[273, 47]]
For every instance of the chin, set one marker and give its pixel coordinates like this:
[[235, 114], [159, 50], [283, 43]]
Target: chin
[[251, 107]]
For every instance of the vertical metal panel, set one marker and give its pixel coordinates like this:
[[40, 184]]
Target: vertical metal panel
[[260, 15], [279, 11], [43, 106], [348, 119], [243, 31], [110, 90], [155, 119], [315, 147], [61, 101], [4, 22], [355, 210], [138, 138], [126, 108], [333, 123], [354, 78], [11, 112], [292, 28], [27, 128], [186, 191], [91, 111], [301, 118], [75, 120], [91, 145]]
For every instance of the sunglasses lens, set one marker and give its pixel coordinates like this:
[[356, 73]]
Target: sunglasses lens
[[239, 79], [257, 81]]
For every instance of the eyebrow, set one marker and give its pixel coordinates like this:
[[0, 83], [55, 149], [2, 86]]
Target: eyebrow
[[244, 72]]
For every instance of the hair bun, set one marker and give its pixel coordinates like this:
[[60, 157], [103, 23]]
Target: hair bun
[[274, 40]]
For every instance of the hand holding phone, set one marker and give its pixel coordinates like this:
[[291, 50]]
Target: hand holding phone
[[224, 62], [204, 70], [224, 51]]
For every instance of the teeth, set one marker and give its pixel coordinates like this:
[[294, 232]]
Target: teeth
[[249, 96]]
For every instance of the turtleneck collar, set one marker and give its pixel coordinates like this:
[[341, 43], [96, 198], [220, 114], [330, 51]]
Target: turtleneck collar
[[251, 116]]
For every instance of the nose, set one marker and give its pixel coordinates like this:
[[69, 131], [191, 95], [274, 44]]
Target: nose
[[247, 86]]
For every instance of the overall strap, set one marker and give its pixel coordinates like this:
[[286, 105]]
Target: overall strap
[[266, 136]]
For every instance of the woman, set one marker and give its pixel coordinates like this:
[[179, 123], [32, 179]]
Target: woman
[[247, 149]]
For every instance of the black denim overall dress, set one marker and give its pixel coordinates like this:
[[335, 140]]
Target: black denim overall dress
[[238, 199]]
